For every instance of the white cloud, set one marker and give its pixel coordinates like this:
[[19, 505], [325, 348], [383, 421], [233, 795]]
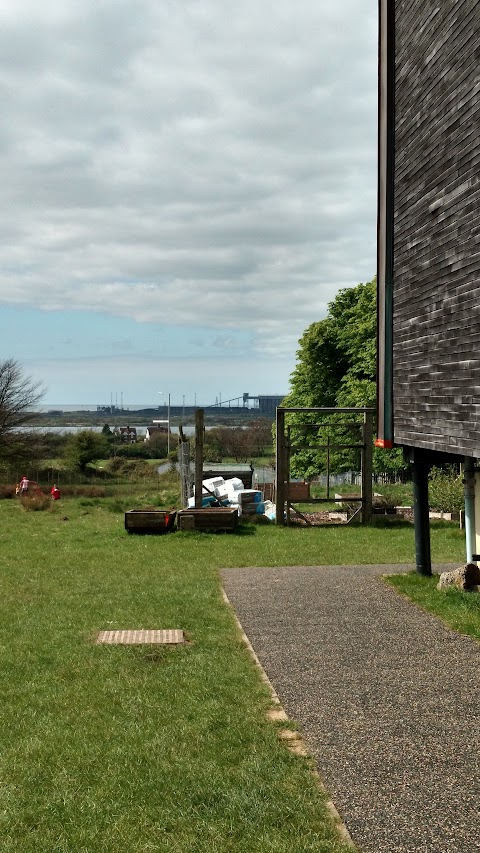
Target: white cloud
[[195, 163]]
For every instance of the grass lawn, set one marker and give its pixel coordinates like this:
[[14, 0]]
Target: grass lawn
[[459, 610], [126, 749]]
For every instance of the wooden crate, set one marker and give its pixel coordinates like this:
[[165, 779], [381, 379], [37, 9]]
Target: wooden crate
[[208, 518], [149, 521]]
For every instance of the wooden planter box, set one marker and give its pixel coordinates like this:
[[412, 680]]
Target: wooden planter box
[[149, 521], [208, 518]]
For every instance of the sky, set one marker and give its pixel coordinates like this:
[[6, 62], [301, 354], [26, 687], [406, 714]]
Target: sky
[[186, 185]]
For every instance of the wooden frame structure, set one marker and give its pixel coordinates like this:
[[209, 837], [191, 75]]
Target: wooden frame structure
[[284, 446]]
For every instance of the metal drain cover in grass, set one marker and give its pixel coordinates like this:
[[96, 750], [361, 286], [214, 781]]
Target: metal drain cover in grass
[[140, 637]]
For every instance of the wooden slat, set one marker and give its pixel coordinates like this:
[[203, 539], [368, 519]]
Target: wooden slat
[[436, 319]]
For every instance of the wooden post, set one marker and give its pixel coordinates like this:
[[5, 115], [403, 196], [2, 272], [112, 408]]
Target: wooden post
[[328, 465], [184, 463], [367, 453], [199, 413], [280, 467], [287, 474]]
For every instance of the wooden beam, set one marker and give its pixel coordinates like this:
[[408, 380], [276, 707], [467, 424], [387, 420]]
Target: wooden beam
[[280, 465], [199, 430], [367, 460]]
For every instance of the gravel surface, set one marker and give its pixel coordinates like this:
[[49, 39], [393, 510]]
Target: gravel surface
[[387, 697]]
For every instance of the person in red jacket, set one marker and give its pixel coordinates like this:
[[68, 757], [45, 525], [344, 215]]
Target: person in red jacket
[[23, 486], [55, 493]]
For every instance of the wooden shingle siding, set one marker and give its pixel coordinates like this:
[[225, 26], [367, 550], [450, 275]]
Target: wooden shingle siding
[[436, 296]]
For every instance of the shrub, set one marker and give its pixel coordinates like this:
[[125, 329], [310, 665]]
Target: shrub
[[133, 451], [7, 492], [36, 502], [115, 506], [155, 448], [133, 469], [84, 491], [445, 489], [384, 502]]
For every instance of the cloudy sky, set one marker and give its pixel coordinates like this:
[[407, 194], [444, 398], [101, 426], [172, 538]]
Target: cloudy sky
[[186, 184]]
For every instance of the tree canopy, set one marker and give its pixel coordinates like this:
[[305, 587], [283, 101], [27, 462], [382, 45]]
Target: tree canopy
[[336, 361], [336, 367], [84, 447]]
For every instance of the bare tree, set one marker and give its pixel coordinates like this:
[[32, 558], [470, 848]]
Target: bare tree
[[19, 394]]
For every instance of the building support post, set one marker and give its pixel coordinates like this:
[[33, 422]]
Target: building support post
[[477, 515], [280, 467], [469, 494], [420, 471]]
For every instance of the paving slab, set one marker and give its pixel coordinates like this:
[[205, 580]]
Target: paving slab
[[388, 699]]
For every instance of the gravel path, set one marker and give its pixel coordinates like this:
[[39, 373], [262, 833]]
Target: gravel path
[[387, 697]]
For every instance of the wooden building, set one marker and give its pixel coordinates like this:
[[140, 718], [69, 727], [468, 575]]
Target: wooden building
[[429, 237]]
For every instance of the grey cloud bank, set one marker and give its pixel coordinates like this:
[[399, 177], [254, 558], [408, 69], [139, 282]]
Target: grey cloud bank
[[195, 163]]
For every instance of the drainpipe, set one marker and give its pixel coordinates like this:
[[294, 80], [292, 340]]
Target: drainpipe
[[469, 493]]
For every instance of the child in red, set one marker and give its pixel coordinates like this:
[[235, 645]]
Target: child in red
[[55, 493]]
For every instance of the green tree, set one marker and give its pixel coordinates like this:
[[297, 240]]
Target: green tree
[[336, 367], [336, 361], [108, 433], [84, 447], [239, 443], [158, 445]]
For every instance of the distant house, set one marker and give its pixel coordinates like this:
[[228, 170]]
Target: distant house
[[159, 428], [127, 435]]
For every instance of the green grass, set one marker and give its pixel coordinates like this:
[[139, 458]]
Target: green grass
[[460, 610], [395, 494], [114, 749]]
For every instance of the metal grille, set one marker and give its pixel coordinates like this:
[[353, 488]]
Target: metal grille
[[139, 637]]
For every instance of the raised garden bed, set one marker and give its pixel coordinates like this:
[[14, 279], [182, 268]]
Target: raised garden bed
[[208, 518], [150, 521]]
